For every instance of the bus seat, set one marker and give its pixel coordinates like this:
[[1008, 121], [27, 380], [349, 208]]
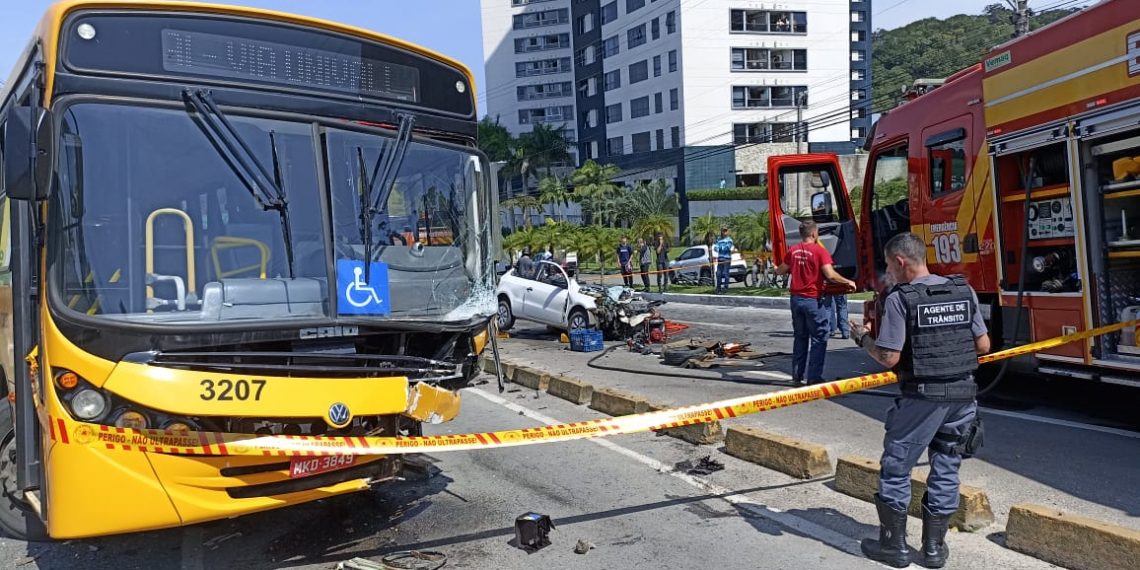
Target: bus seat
[[238, 298]]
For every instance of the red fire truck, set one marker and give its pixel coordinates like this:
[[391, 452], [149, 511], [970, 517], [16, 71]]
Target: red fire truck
[[1021, 172]]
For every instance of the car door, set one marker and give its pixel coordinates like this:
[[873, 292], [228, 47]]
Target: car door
[[555, 304], [689, 260], [540, 294]]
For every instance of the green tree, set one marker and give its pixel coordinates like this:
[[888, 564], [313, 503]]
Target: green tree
[[751, 230], [543, 147], [592, 183], [552, 191], [597, 242], [702, 227], [495, 140], [647, 199], [526, 204], [653, 224]]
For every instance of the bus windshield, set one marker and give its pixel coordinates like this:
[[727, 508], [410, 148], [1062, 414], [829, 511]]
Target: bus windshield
[[154, 221]]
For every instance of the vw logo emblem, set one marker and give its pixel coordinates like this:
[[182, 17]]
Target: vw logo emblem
[[339, 414]]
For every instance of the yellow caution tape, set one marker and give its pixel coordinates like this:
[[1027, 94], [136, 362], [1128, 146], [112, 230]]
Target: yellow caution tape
[[215, 443]]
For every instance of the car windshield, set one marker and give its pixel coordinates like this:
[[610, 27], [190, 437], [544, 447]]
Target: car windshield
[[156, 220]]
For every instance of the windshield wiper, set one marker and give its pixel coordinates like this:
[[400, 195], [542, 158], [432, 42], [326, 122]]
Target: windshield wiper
[[267, 190], [384, 178]]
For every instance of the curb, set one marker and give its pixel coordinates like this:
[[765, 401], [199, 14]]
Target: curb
[[784, 454], [617, 403], [570, 390], [854, 307], [1071, 541], [529, 377], [859, 478], [696, 434]]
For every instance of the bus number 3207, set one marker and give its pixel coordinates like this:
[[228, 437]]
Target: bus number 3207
[[229, 390]]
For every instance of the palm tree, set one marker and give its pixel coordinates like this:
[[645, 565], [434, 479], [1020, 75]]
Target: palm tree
[[702, 227], [597, 242], [552, 190], [653, 224], [526, 204], [546, 146], [751, 230], [592, 183], [652, 199], [495, 140]]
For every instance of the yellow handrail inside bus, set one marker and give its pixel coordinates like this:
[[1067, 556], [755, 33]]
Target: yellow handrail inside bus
[[188, 227], [229, 242]]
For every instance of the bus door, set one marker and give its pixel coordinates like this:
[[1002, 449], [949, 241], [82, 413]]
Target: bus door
[[810, 187]]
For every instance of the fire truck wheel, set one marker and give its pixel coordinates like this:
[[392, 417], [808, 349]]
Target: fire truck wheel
[[16, 520]]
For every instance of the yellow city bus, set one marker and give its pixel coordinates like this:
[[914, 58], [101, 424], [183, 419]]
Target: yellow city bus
[[210, 220]]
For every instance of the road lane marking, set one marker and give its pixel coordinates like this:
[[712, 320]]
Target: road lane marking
[[800, 525], [769, 374]]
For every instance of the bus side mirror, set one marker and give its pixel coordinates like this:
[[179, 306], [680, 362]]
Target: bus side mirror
[[821, 207], [27, 154]]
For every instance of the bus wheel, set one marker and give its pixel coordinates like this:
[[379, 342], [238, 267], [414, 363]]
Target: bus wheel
[[16, 520]]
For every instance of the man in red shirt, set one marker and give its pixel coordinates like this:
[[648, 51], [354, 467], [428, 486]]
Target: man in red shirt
[[811, 267]]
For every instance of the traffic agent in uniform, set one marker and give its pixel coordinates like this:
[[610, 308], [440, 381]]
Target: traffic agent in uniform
[[930, 334]]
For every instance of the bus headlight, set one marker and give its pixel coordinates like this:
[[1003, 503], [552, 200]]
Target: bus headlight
[[131, 419], [88, 404]]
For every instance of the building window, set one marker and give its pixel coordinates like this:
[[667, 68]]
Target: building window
[[675, 134], [611, 80], [543, 91], [542, 67], [858, 94], [672, 60], [540, 19], [859, 36], [525, 2], [660, 139], [765, 132], [591, 118], [613, 113], [638, 72], [610, 47], [588, 87], [761, 59], [858, 74], [655, 28], [671, 22], [656, 66], [542, 43], [639, 107], [768, 22], [609, 12], [635, 36], [640, 142], [658, 106], [631, 5], [857, 16], [857, 55], [674, 99], [760, 97], [585, 56], [558, 114], [614, 146], [592, 150]]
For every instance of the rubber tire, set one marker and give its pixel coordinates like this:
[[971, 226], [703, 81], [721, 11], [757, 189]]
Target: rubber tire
[[505, 316], [679, 356], [15, 522], [577, 313], [705, 277]]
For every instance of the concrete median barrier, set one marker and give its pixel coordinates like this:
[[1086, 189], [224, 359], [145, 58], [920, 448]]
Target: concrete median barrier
[[1071, 541], [784, 454], [859, 477], [570, 389], [532, 378], [617, 403], [698, 434]]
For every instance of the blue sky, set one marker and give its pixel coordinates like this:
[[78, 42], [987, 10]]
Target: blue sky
[[423, 22]]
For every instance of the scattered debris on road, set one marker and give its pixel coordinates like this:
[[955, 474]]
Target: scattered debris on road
[[583, 546], [702, 353], [213, 543], [532, 531], [704, 466], [403, 560]]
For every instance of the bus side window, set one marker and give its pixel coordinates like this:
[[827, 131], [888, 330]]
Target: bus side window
[[889, 200]]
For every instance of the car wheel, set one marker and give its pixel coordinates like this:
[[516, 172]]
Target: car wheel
[[578, 319], [15, 521], [506, 318], [706, 277]]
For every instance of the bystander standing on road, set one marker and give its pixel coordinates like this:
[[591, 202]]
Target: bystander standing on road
[[810, 266], [625, 260], [723, 255], [837, 315], [645, 259], [931, 333], [662, 249]]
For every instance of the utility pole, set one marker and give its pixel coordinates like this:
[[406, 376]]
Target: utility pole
[[1020, 17], [801, 99]]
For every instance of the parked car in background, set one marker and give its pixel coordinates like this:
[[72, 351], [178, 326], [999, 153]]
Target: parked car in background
[[694, 265]]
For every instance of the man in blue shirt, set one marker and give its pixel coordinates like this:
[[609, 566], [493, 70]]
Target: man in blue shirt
[[723, 249], [625, 260]]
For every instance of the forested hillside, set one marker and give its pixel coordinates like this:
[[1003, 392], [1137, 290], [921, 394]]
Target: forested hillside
[[934, 48]]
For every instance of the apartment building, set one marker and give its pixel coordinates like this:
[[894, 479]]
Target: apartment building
[[694, 91]]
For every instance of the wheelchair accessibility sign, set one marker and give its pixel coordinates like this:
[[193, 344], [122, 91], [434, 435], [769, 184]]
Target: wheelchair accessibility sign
[[360, 297]]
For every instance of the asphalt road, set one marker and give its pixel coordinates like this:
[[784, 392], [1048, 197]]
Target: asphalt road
[[626, 495]]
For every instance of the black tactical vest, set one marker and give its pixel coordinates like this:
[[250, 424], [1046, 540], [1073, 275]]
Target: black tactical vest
[[939, 341]]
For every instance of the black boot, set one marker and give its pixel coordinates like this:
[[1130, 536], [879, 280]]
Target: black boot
[[935, 551], [891, 548]]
